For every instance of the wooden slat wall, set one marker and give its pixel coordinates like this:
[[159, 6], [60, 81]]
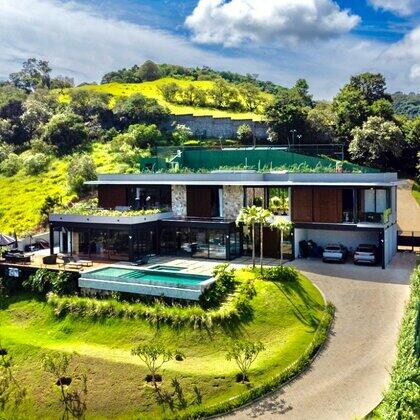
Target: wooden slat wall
[[322, 205], [199, 202], [328, 203], [110, 196], [302, 205]]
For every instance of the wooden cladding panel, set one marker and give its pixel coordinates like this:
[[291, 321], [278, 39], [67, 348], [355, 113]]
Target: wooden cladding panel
[[199, 201], [322, 205], [111, 196], [302, 204], [328, 203]]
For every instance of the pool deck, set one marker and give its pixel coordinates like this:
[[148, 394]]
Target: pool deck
[[191, 265]]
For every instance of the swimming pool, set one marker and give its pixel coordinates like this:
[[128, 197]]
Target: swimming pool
[[167, 268], [146, 281]]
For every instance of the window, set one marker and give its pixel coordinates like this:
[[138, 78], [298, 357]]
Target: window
[[375, 200], [144, 197]]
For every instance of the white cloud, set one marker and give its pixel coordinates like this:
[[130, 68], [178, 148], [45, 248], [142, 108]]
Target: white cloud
[[83, 43], [408, 51], [234, 22], [400, 7]]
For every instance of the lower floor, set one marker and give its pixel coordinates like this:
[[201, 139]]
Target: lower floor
[[213, 239]]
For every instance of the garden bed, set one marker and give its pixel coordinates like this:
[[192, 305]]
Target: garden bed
[[206, 380]]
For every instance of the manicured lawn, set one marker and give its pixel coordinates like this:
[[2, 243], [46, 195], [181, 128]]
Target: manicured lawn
[[21, 196], [416, 192], [285, 319], [151, 90]]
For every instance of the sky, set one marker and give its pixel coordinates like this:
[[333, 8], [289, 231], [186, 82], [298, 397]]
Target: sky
[[323, 41]]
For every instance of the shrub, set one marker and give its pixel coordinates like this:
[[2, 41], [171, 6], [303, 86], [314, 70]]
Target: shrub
[[58, 282], [182, 134], [245, 134], [35, 164], [81, 169], [5, 150], [402, 401], [280, 273], [224, 284], [40, 146], [11, 165], [233, 309]]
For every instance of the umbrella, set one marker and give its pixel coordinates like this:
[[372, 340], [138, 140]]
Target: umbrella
[[6, 240]]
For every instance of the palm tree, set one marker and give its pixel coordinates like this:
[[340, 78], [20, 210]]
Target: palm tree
[[248, 216], [284, 226], [262, 219]]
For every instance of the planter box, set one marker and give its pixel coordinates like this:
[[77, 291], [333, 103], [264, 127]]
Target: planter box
[[112, 220]]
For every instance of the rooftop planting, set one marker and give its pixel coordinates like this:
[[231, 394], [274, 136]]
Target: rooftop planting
[[90, 208]]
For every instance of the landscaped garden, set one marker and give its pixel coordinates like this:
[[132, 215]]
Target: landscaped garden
[[250, 333]]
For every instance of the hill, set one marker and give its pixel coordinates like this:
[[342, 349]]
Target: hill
[[151, 90], [21, 195]]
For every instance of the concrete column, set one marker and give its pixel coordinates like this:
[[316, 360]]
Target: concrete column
[[51, 239]]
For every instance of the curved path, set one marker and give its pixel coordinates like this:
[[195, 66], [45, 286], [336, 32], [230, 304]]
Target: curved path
[[347, 378]]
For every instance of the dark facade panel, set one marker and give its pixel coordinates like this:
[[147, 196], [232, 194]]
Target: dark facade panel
[[111, 196], [199, 201], [327, 205]]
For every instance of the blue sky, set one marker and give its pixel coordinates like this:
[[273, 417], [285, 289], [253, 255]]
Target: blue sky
[[281, 40]]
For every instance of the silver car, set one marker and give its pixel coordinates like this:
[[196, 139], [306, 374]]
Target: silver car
[[334, 252], [366, 254]]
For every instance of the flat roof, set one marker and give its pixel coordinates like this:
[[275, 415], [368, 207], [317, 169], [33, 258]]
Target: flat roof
[[251, 178]]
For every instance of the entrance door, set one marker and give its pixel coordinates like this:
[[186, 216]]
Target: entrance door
[[271, 243]]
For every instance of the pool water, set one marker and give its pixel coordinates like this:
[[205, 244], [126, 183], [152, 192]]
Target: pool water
[[147, 275], [167, 268]]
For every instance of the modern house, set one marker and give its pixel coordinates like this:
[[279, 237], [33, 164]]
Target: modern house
[[197, 195]]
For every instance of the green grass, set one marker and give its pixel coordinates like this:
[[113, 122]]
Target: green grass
[[285, 319], [416, 191], [151, 90], [21, 196]]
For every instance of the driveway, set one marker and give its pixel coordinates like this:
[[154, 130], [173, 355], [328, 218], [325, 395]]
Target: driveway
[[347, 378]]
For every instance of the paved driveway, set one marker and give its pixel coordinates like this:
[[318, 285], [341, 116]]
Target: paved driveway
[[348, 377]]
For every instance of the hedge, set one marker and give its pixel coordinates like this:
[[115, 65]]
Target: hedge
[[402, 399], [233, 309]]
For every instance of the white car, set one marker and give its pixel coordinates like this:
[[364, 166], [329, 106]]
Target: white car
[[334, 252], [366, 254]]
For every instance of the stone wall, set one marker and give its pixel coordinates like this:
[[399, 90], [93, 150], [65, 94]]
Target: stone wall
[[233, 198], [179, 200], [209, 127]]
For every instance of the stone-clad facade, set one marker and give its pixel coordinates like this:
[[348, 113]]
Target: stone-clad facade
[[233, 198], [179, 200]]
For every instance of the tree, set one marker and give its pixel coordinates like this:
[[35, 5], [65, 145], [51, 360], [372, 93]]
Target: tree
[[72, 387], [66, 131], [5, 150], [377, 142], [321, 123], [34, 74], [372, 85], [262, 219], [182, 134], [244, 353], [245, 133], [49, 204], [137, 109], [149, 71], [224, 95], [251, 95], [81, 169], [248, 216], [169, 91], [154, 356], [351, 110], [301, 90], [382, 108], [91, 105], [62, 82], [11, 393], [284, 226]]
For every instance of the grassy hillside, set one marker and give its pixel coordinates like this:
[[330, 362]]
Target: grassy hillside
[[21, 196], [285, 318], [151, 90]]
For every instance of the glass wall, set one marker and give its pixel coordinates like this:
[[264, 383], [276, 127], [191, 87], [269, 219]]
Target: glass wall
[[274, 198], [145, 197], [372, 204], [200, 242]]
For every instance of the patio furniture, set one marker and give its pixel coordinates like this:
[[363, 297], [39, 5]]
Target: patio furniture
[[143, 260], [68, 263], [17, 258], [84, 263], [49, 259]]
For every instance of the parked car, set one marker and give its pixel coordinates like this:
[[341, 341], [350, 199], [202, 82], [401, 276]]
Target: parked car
[[334, 252], [366, 254]]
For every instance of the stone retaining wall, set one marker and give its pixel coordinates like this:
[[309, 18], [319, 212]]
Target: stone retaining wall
[[210, 127]]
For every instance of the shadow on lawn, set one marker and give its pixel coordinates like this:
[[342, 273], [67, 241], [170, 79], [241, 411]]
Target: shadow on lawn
[[293, 290]]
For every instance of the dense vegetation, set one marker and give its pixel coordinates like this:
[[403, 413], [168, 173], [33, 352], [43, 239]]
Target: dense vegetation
[[289, 319], [53, 137], [407, 104], [402, 399]]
